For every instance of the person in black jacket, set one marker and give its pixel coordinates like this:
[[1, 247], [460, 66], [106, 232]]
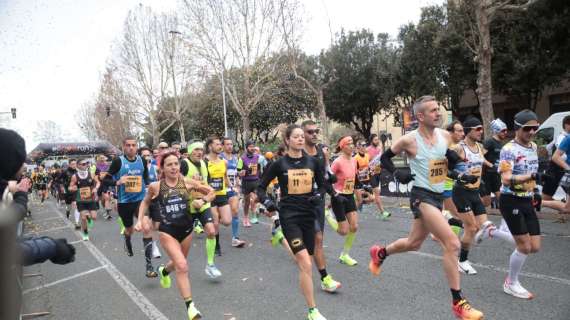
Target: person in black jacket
[[296, 173]]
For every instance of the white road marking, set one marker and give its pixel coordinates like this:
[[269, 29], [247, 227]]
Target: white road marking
[[51, 284], [149, 309], [501, 269], [47, 230]]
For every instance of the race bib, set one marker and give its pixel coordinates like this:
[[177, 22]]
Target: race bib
[[348, 186], [133, 184], [476, 171], [232, 174], [437, 171], [217, 183], [363, 175], [85, 193], [253, 169], [300, 181]]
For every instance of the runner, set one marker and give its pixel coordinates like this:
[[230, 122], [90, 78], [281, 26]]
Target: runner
[[42, 181], [249, 168], [70, 203], [130, 174], [518, 167], [198, 171], [427, 151], [103, 193], [466, 197], [561, 160], [345, 220], [232, 189], [154, 209], [218, 180], [85, 185], [314, 149], [296, 173], [362, 184], [457, 134], [172, 193], [374, 152], [556, 169], [491, 178]]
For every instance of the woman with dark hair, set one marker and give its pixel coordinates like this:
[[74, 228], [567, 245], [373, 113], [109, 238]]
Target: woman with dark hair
[[296, 173], [172, 192]]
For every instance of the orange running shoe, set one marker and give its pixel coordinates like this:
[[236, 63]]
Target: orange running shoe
[[463, 310], [375, 262]]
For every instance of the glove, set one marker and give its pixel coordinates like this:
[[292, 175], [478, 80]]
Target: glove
[[367, 188], [315, 199], [332, 178], [270, 205], [64, 252], [538, 177], [403, 176], [467, 178]]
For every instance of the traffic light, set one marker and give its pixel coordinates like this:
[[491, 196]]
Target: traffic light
[[108, 111], [13, 110]]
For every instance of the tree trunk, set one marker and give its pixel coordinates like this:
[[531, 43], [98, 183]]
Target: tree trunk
[[181, 131], [246, 124], [484, 55], [323, 116]]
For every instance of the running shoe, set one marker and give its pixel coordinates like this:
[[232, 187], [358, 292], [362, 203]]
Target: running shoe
[[314, 314], [484, 231], [385, 215], [465, 267], [165, 281], [128, 247], [77, 226], [254, 219], [212, 271], [328, 284], [150, 273], [277, 237], [515, 289], [89, 223], [193, 313], [346, 259], [198, 229], [375, 261], [155, 251], [463, 310], [246, 222], [121, 225], [85, 237], [237, 243]]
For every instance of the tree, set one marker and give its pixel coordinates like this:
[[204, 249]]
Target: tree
[[240, 36], [48, 131], [531, 50], [365, 67], [479, 15]]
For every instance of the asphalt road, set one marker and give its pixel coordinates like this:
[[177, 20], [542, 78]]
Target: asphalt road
[[260, 282]]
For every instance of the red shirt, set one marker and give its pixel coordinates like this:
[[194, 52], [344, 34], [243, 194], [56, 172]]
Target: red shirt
[[373, 151]]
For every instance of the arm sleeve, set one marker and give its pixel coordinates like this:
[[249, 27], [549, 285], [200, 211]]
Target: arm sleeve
[[239, 164], [113, 169], [145, 171], [269, 175], [386, 160]]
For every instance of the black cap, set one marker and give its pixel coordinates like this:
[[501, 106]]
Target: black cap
[[13, 150], [523, 117]]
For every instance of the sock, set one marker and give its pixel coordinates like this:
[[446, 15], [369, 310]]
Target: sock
[[108, 211], [323, 273], [85, 231], [147, 244], [348, 242], [67, 213], [332, 222], [76, 213], [235, 227], [312, 309], [382, 253], [456, 295], [210, 250], [463, 254], [187, 302], [503, 235], [515, 265], [165, 272], [218, 241]]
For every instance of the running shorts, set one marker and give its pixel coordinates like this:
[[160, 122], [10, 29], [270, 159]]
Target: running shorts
[[519, 214], [419, 195], [127, 211], [468, 200], [299, 231], [343, 204]]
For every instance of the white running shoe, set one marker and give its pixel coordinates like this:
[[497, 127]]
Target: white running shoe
[[484, 232], [516, 290], [466, 268], [155, 250], [237, 243], [212, 271]]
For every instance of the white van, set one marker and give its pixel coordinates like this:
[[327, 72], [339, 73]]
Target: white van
[[550, 129]]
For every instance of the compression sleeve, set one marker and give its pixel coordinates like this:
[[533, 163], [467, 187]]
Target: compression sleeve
[[265, 180], [386, 160], [452, 158]]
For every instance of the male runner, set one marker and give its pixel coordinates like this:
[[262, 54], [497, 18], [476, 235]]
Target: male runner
[[314, 149], [129, 173], [85, 185], [374, 151], [249, 169], [428, 155], [232, 188], [493, 145], [555, 171], [154, 209], [70, 203]]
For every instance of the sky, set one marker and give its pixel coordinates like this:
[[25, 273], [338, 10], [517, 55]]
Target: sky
[[53, 53]]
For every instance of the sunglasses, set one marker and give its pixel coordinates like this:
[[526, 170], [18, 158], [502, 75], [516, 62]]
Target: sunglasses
[[504, 131], [362, 145], [83, 164], [529, 128], [315, 131]]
